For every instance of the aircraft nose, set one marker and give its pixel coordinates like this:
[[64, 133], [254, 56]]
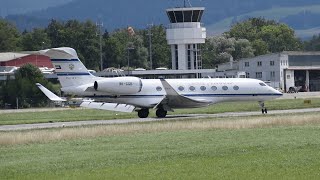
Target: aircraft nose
[[276, 92]]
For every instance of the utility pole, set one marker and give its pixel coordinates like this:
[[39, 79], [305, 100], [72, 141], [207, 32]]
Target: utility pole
[[100, 25], [129, 47], [150, 44]]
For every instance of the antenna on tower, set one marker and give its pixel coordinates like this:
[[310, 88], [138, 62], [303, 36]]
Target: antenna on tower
[[185, 3]]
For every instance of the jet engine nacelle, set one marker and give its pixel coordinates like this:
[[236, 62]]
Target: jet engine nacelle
[[119, 85]]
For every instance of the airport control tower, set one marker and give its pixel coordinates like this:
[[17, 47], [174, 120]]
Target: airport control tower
[[185, 34]]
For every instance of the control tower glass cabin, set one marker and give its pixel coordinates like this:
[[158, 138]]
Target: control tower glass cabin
[[185, 33]]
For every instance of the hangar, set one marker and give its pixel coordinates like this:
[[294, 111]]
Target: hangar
[[18, 60], [9, 62], [282, 70]]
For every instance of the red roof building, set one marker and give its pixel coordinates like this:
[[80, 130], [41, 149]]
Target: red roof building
[[18, 60]]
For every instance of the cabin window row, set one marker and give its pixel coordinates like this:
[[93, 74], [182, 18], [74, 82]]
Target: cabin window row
[[204, 88]]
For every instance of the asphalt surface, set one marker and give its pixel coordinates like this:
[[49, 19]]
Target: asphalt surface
[[139, 120]]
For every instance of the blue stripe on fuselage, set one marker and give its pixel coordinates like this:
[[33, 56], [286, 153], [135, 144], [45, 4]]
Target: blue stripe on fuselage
[[73, 74], [187, 95]]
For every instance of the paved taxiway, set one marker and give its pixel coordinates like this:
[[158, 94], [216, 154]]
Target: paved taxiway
[[139, 120]]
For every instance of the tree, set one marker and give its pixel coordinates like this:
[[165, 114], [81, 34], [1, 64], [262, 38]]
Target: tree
[[35, 40], [54, 32], [80, 36], [23, 87], [9, 37], [160, 49], [279, 38], [265, 35], [243, 49], [220, 49], [116, 48], [313, 44]]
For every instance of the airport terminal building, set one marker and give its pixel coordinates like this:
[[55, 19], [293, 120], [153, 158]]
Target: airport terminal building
[[281, 70]]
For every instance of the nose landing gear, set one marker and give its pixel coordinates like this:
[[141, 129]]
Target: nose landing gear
[[263, 109]]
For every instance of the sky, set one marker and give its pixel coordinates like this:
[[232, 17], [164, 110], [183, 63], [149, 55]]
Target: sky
[[22, 6]]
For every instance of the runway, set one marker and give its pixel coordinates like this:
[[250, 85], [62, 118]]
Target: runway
[[139, 120]]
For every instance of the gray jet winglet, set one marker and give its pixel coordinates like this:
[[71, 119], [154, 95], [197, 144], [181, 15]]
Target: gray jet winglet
[[173, 98]]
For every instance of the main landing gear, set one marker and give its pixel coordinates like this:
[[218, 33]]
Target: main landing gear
[[161, 113], [263, 109], [143, 113]]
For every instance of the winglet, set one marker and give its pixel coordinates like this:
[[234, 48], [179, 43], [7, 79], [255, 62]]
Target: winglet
[[49, 94], [173, 98], [168, 88]]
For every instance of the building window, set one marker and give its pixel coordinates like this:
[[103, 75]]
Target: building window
[[203, 88], [259, 63], [271, 63], [189, 56], [259, 75], [246, 64], [197, 57], [272, 75], [225, 88], [214, 88], [247, 75], [288, 76]]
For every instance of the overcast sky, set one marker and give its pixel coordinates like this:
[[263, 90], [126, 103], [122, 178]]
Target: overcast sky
[[23, 6]]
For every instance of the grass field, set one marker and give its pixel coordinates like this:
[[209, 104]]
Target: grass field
[[89, 114], [268, 151]]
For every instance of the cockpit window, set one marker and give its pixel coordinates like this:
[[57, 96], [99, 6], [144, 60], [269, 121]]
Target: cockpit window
[[262, 84]]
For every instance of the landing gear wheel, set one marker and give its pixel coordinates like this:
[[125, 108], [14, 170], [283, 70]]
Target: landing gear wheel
[[143, 113], [263, 109], [161, 113]]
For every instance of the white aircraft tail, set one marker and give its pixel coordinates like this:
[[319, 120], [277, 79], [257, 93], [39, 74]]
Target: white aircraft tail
[[69, 69]]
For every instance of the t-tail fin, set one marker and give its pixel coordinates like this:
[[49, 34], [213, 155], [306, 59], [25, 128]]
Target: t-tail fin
[[69, 69]]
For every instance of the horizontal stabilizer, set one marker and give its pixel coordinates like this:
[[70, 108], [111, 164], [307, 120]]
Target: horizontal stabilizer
[[49, 94], [108, 106]]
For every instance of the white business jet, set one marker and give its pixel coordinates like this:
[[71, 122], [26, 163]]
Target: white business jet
[[127, 94]]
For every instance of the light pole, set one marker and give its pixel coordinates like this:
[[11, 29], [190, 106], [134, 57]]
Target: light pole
[[150, 43], [100, 25], [129, 47]]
